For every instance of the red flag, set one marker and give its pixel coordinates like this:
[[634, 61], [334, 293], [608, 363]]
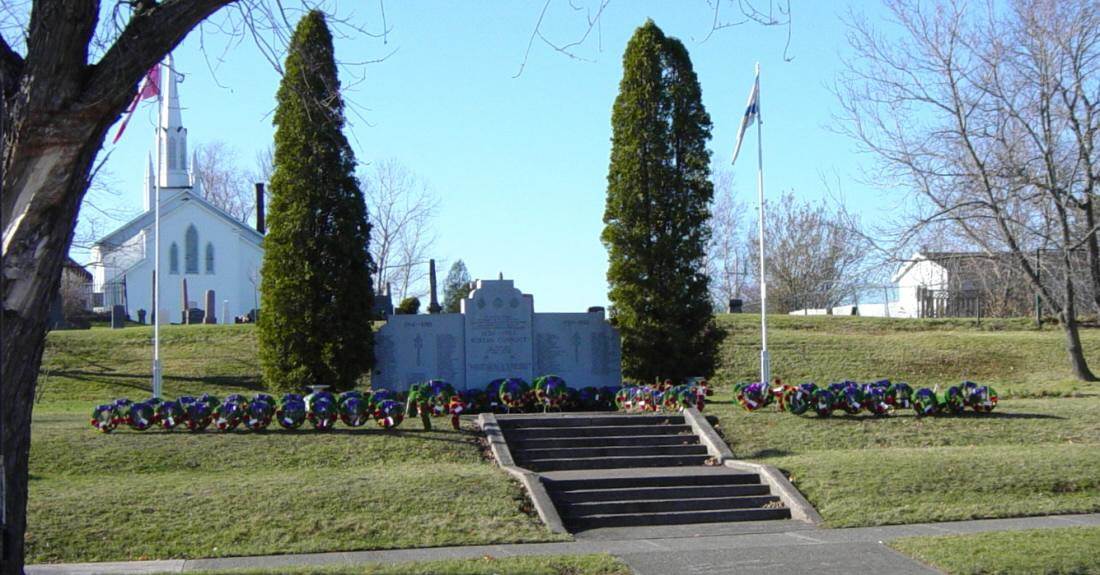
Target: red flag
[[150, 88]]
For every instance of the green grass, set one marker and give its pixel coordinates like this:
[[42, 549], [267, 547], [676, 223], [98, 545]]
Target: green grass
[[151, 495], [1065, 551], [157, 494], [1017, 359], [549, 565], [1038, 453]]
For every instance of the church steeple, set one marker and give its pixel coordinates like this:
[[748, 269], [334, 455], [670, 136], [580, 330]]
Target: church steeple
[[172, 136], [150, 186]]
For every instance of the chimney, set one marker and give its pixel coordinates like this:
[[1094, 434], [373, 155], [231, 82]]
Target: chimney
[[260, 226]]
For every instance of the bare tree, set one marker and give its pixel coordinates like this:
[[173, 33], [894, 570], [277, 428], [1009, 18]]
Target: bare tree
[[814, 256], [728, 253], [265, 164], [988, 115], [66, 76], [401, 207], [223, 182]]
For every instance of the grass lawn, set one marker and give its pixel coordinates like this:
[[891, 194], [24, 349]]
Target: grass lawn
[[156, 494], [550, 565], [1071, 550], [1038, 453], [1013, 356], [149, 495]]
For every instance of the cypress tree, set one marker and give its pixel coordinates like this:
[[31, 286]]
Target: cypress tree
[[456, 287], [314, 328], [656, 218]]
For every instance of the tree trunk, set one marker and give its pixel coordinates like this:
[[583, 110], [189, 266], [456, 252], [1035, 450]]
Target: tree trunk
[[1092, 247], [53, 121], [1068, 317], [36, 247], [1073, 345]]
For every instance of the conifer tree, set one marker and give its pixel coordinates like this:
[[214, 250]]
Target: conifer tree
[[314, 328], [456, 287], [658, 196]]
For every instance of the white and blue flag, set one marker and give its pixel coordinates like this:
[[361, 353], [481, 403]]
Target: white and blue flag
[[752, 110]]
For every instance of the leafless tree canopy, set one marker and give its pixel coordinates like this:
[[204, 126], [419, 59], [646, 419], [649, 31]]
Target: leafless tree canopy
[[729, 254], [815, 257], [988, 115], [401, 209], [222, 180]]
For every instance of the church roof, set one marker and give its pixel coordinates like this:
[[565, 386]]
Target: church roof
[[185, 195]]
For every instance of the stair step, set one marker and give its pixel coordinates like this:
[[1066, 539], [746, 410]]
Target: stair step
[[619, 441], [506, 422], [523, 433], [678, 517], [614, 462], [641, 493], [583, 452], [662, 505], [652, 481]]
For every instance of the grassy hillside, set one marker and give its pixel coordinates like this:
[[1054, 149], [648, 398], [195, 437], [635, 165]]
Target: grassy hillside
[[1038, 453], [158, 495], [1012, 355]]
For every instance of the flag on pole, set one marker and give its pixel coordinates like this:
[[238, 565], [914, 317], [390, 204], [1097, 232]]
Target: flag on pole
[[150, 88], [752, 110]]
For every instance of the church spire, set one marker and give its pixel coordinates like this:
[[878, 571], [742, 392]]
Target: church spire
[[172, 136], [150, 186]]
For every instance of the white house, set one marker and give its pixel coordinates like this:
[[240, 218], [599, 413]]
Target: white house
[[930, 284], [199, 242]]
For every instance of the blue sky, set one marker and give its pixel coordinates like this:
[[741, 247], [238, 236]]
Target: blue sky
[[520, 164]]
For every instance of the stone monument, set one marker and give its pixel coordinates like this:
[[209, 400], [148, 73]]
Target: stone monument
[[434, 306], [210, 304], [497, 334]]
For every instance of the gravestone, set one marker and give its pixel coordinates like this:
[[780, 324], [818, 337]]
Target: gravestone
[[118, 316], [185, 312], [211, 302], [496, 335], [193, 315], [141, 315]]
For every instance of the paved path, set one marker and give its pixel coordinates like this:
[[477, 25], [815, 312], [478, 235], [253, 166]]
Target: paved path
[[765, 547]]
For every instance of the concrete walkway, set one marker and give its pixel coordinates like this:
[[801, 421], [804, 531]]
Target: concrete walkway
[[764, 547]]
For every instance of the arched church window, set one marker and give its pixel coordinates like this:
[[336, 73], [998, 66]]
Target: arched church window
[[209, 257], [174, 259], [191, 250]]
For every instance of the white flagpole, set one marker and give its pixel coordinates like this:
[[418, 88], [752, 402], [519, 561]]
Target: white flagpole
[[156, 248], [765, 361]]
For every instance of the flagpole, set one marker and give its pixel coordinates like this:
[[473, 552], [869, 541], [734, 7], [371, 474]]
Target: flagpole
[[156, 256], [765, 361]]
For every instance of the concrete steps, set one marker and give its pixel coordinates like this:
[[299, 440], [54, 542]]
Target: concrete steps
[[604, 470]]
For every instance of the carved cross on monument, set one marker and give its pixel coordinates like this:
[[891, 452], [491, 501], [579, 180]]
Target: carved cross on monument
[[418, 343], [576, 347]]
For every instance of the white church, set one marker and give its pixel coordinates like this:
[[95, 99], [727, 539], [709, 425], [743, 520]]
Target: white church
[[200, 244]]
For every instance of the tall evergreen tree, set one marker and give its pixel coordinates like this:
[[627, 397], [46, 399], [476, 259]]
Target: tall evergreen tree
[[316, 281], [456, 287], [658, 196]]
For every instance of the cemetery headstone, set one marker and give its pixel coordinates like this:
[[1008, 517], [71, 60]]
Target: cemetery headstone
[[194, 315], [211, 303], [141, 315], [184, 303], [118, 316]]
